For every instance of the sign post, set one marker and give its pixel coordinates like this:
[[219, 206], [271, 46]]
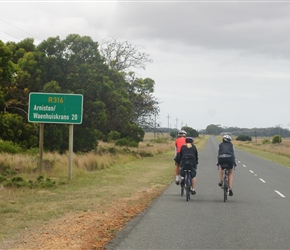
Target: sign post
[[56, 108]]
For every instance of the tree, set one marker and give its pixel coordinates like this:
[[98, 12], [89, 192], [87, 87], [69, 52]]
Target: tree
[[14, 128], [214, 129], [244, 138], [123, 55], [6, 65], [276, 139], [144, 103], [113, 101], [190, 131]]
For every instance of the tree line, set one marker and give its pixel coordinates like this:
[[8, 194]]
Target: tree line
[[214, 129], [116, 103]]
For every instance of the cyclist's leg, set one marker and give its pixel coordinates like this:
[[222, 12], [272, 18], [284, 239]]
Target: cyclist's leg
[[176, 173], [193, 182], [230, 182]]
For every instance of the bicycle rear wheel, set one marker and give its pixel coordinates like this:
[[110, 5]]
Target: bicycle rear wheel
[[225, 183], [182, 188], [187, 188]]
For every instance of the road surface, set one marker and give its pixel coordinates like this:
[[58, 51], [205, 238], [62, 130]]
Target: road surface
[[257, 216]]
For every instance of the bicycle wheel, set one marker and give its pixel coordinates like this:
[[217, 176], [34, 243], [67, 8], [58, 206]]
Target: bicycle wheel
[[182, 188], [225, 183], [187, 188]]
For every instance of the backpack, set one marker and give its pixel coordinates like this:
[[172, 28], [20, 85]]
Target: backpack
[[188, 161]]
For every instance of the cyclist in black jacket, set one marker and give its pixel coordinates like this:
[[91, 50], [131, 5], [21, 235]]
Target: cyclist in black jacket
[[226, 155], [189, 156]]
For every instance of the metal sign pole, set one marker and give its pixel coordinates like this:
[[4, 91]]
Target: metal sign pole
[[71, 127]]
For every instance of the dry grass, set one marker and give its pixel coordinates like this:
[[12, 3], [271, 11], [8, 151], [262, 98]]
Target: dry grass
[[30, 212], [89, 190], [106, 155], [279, 153], [278, 148]]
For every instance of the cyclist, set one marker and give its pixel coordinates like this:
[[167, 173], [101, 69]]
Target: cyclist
[[178, 144], [189, 155], [226, 155]]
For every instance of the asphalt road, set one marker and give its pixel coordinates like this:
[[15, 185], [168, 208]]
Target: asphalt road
[[257, 216]]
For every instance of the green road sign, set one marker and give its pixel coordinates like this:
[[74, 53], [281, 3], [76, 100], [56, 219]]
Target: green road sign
[[55, 108]]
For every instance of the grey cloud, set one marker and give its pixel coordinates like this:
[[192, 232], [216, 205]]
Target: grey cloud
[[248, 27]]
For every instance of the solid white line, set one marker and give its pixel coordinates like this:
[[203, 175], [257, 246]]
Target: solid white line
[[244, 166], [282, 195], [262, 180], [251, 171]]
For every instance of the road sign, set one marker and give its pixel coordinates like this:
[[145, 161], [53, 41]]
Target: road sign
[[55, 108]]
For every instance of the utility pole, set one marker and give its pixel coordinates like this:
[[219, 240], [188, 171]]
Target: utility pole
[[154, 125], [176, 122], [168, 126]]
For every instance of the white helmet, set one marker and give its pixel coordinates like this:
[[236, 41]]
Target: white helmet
[[227, 138], [181, 133]]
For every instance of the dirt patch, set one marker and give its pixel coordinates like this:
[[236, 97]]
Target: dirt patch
[[89, 230]]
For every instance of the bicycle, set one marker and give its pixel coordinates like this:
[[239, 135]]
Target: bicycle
[[225, 185], [186, 182]]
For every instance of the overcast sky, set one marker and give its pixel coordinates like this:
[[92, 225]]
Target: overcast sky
[[214, 62]]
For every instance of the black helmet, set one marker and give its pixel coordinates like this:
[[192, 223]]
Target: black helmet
[[189, 140], [227, 138]]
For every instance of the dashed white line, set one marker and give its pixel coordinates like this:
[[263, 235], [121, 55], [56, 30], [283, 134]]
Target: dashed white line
[[282, 195]]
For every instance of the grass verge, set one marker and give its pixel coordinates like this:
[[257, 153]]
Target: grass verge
[[94, 192]]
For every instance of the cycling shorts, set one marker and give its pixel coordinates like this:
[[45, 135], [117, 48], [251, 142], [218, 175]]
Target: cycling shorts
[[226, 162]]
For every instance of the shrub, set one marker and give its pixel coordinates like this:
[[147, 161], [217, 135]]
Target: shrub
[[244, 138], [276, 139], [2, 178], [126, 142], [9, 147], [113, 136], [265, 141], [159, 140]]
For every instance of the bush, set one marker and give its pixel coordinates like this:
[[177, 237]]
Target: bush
[[113, 136], [10, 147], [244, 138], [265, 141], [159, 140], [126, 142], [276, 139]]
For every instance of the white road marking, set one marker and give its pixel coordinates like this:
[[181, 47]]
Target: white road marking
[[282, 195], [244, 166], [262, 180], [251, 171]]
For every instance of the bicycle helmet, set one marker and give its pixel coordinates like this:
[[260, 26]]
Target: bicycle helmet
[[181, 133], [226, 138], [189, 140]]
